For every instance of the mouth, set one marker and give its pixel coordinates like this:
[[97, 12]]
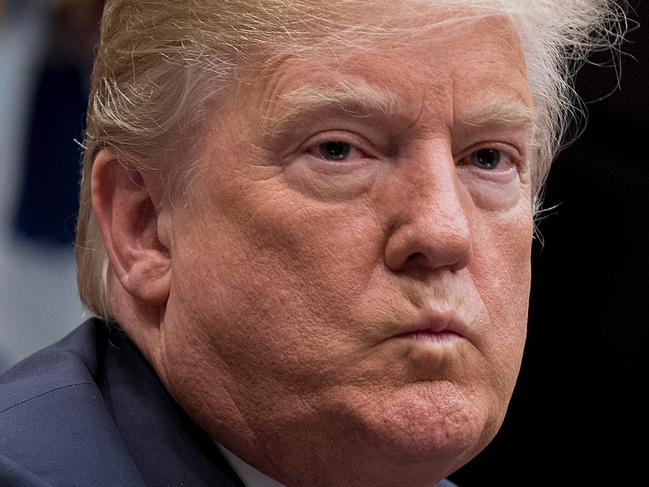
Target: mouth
[[438, 329]]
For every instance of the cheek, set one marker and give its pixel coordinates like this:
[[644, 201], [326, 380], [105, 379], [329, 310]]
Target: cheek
[[502, 274], [324, 259], [285, 272]]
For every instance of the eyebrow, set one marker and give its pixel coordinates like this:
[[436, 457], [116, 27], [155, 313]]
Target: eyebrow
[[358, 100], [361, 99], [499, 111]]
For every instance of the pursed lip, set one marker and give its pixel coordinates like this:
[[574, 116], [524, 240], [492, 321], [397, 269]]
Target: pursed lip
[[446, 324]]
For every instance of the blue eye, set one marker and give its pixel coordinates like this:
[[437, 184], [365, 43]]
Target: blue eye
[[486, 158], [334, 150]]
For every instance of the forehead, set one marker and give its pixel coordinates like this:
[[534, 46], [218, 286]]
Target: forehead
[[449, 64]]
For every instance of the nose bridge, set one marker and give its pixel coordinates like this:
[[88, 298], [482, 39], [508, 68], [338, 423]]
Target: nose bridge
[[434, 213], [438, 199]]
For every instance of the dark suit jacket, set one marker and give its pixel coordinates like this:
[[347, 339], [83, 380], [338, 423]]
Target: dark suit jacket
[[89, 411]]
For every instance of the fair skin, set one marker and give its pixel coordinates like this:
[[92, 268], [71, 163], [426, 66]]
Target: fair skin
[[277, 304]]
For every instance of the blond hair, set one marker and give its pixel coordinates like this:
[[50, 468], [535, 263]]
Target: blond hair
[[161, 65]]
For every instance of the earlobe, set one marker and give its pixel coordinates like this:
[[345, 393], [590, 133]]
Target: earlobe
[[127, 211]]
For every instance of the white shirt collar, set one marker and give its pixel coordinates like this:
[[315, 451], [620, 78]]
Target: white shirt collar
[[250, 476]]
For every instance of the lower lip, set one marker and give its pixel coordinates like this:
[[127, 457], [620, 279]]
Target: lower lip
[[440, 338]]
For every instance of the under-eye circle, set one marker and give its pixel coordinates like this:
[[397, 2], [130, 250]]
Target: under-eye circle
[[334, 150], [486, 158]]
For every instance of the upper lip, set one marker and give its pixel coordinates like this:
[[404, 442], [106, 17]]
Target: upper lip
[[436, 323]]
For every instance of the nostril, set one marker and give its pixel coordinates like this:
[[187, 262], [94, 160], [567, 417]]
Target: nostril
[[416, 258]]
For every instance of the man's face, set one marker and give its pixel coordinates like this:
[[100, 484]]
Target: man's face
[[350, 283]]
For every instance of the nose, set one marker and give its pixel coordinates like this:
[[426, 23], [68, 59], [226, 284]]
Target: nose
[[431, 216]]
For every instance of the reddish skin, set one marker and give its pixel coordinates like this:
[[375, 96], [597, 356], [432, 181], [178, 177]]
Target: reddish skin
[[269, 305]]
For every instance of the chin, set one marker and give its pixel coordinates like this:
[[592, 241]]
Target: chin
[[436, 424], [419, 433]]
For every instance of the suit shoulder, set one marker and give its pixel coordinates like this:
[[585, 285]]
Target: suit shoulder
[[55, 422], [69, 363]]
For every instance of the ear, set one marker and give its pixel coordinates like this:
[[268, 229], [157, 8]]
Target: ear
[[132, 228]]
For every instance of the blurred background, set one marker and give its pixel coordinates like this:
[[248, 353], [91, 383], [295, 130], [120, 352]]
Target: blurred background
[[579, 409], [46, 50]]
